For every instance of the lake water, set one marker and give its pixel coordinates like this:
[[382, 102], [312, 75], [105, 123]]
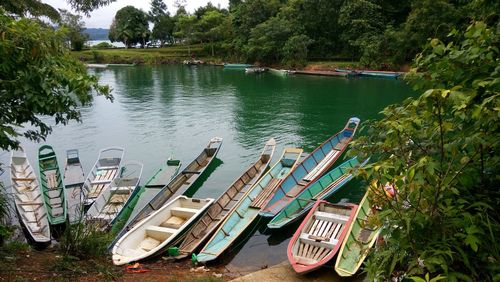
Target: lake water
[[163, 111]]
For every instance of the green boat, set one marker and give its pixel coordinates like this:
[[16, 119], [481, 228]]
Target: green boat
[[321, 189], [52, 185], [361, 236], [247, 209], [141, 196]]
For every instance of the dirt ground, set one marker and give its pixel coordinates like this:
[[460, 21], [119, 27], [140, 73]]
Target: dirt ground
[[49, 265]]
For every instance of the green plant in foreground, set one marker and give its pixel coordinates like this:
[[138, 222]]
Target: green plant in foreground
[[441, 152], [84, 241]]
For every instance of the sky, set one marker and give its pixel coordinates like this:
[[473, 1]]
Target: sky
[[102, 17]]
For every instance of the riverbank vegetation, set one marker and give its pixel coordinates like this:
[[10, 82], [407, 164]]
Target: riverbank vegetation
[[379, 34], [440, 152]]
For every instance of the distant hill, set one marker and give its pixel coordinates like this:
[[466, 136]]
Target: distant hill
[[97, 33]]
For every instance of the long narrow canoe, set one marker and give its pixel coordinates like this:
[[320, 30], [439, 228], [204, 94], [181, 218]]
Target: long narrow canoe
[[112, 200], [153, 234], [361, 237], [282, 73], [106, 168], [237, 66], [28, 199], [73, 171], [380, 74], [245, 212], [177, 186], [310, 169], [142, 195], [320, 235], [52, 184], [223, 206], [321, 189]]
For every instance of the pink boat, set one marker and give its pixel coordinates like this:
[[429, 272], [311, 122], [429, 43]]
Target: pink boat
[[320, 235]]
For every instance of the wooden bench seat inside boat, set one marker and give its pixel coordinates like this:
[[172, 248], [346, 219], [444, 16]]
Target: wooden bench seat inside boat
[[118, 198], [122, 190], [159, 233], [322, 165]]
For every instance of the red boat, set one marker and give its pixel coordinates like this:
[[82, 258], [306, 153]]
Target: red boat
[[320, 235]]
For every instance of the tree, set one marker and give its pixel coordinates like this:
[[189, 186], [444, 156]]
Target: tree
[[163, 30], [74, 26], [158, 10], [130, 26], [38, 77], [210, 27], [441, 152], [185, 27], [267, 40], [295, 51]]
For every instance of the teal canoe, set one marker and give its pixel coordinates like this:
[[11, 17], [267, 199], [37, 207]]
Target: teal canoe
[[177, 186], [360, 238], [142, 195], [310, 169], [216, 214], [237, 66], [319, 190], [52, 184], [245, 212]]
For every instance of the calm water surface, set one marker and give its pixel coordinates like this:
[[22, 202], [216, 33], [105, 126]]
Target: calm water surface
[[165, 111]]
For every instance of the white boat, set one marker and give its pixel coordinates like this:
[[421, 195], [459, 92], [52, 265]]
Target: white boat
[[154, 233], [106, 168], [111, 201], [255, 70], [28, 199]]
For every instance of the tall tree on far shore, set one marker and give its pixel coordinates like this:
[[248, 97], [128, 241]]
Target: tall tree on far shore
[[75, 26], [130, 26], [163, 23]]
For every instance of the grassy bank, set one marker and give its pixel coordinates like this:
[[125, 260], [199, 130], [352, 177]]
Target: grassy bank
[[177, 54]]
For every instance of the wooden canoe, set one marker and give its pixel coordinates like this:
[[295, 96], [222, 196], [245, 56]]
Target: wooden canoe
[[51, 181], [321, 189], [320, 235], [112, 200], [106, 168], [246, 211], [153, 234], [177, 186], [360, 238], [223, 206], [28, 199], [309, 170], [143, 194]]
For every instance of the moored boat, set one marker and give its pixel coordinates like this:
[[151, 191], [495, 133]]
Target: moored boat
[[255, 70], [320, 235], [28, 199], [247, 209], [111, 201], [73, 180], [321, 189], [223, 206], [380, 74], [153, 234], [281, 72], [177, 186], [309, 170], [52, 185], [106, 168], [143, 194], [237, 66], [360, 238]]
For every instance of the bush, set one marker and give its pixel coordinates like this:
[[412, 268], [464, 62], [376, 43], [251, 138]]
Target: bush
[[84, 241], [295, 51], [103, 45]]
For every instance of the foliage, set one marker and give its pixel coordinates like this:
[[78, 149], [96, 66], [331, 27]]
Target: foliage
[[74, 27], [185, 28], [295, 51], [38, 77], [33, 8], [103, 45], [163, 30], [440, 151], [130, 26], [84, 241], [267, 40], [211, 28]]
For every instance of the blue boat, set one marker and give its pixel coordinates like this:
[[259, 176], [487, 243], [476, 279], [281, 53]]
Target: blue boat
[[310, 169], [247, 209], [319, 190]]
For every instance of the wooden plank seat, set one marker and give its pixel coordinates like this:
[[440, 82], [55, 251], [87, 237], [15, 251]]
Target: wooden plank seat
[[122, 190], [319, 215], [322, 165], [99, 182], [159, 233], [341, 144], [260, 200], [23, 179], [118, 199]]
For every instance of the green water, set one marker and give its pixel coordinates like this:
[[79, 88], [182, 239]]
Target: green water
[[174, 110]]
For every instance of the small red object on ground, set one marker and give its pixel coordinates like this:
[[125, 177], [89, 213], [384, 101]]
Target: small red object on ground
[[136, 268]]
